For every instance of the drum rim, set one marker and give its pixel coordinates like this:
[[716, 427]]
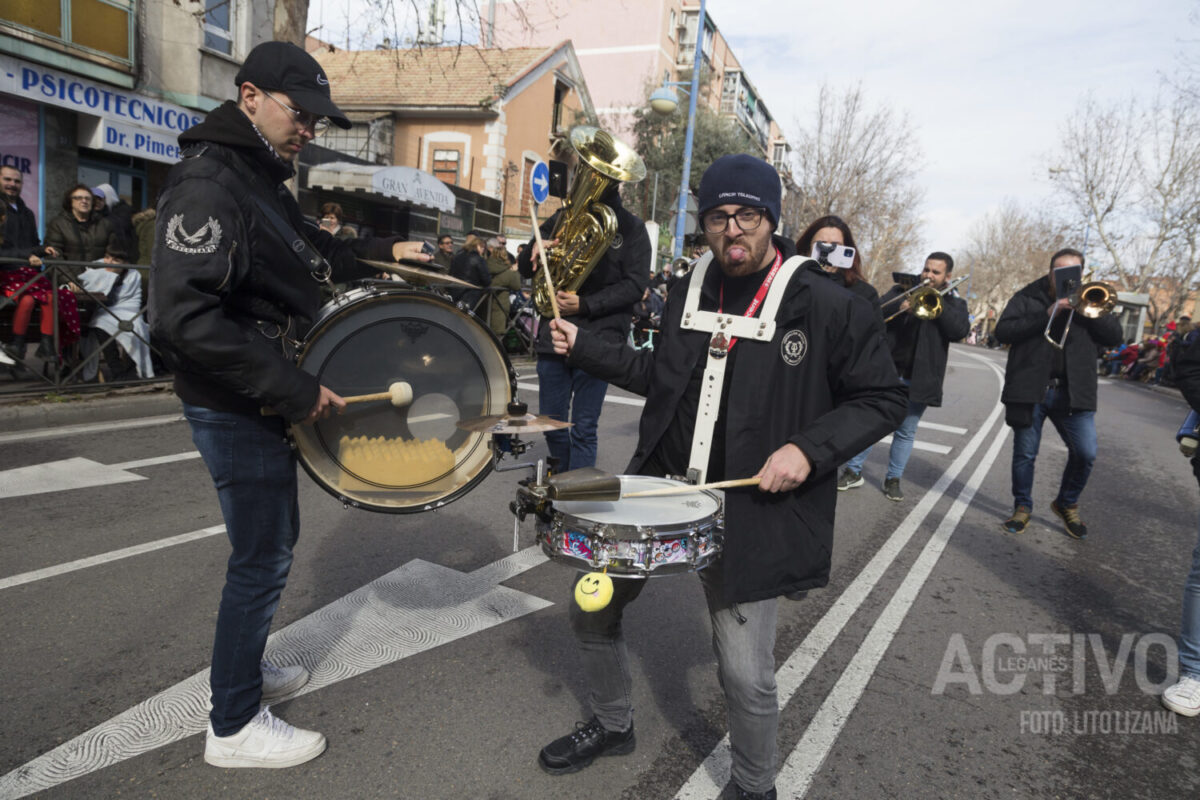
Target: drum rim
[[334, 310]]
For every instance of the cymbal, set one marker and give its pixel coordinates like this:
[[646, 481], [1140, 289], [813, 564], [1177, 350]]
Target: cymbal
[[421, 276], [510, 423]]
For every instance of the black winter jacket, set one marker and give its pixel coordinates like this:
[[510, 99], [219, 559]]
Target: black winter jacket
[[1031, 357], [618, 280], [842, 395], [20, 231], [933, 344], [79, 241], [1186, 374], [225, 284]]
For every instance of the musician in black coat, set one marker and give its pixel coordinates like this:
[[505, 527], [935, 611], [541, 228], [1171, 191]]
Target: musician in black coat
[[919, 350]]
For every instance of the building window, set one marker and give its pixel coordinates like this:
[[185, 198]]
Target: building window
[[445, 166], [370, 141], [779, 156], [102, 27], [218, 26], [671, 27], [729, 91]]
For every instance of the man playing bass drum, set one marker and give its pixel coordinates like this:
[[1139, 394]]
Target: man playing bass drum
[[919, 350]]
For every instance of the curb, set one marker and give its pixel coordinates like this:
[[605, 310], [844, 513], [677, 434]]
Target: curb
[[119, 404]]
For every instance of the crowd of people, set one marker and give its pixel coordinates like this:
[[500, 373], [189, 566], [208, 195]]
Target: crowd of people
[[1150, 360]]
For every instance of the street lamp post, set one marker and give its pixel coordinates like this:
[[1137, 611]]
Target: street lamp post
[[663, 101]]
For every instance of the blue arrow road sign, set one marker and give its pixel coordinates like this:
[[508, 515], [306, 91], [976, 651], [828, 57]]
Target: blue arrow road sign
[[539, 182]]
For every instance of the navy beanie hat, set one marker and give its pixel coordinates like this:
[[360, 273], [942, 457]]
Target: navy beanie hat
[[742, 180]]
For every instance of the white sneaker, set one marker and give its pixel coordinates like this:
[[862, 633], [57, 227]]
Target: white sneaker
[[265, 741], [1184, 697], [279, 682]]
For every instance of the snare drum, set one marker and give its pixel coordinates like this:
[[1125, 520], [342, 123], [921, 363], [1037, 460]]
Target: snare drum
[[412, 458], [638, 537]]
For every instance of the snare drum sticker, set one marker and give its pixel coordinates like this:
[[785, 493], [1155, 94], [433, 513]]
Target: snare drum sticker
[[577, 544], [670, 552]]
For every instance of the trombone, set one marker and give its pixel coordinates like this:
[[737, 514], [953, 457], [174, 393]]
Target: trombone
[[926, 302], [905, 293], [1093, 300]]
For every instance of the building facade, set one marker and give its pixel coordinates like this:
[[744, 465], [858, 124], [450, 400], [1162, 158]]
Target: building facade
[[96, 91], [475, 118]]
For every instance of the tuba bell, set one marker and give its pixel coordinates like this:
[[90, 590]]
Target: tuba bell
[[586, 227]]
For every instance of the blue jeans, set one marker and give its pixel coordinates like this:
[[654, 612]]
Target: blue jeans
[[1189, 630], [743, 639], [1078, 432], [570, 395], [902, 444], [254, 472]]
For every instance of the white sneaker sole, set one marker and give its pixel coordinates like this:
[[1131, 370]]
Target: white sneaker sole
[[234, 760], [1183, 711], [855, 485]]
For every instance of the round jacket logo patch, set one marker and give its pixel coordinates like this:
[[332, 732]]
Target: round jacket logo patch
[[794, 347]]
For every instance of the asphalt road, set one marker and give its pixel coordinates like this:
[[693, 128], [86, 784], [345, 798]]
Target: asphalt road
[[945, 659]]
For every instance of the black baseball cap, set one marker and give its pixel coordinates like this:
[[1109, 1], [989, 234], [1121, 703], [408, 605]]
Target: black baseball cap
[[284, 67]]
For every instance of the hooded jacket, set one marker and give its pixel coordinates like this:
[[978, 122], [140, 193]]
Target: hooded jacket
[[932, 346], [229, 296], [617, 281], [1031, 357], [841, 395]]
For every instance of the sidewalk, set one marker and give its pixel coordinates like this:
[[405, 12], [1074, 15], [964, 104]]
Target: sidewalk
[[131, 402]]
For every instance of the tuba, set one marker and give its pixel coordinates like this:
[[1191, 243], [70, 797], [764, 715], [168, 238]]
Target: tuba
[[585, 226]]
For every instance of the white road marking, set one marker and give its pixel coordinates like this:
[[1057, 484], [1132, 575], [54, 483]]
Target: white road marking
[[937, 426], [105, 558], [608, 398], [940, 449], [965, 365], [796, 777], [59, 476], [709, 779], [89, 427], [411, 609], [153, 462]]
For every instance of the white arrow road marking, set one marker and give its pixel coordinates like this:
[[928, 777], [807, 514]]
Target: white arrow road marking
[[58, 476], [940, 449], [608, 398], [411, 609], [89, 427], [709, 779]]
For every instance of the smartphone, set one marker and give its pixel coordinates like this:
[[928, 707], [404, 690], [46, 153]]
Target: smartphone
[[427, 249], [833, 255], [1067, 280]]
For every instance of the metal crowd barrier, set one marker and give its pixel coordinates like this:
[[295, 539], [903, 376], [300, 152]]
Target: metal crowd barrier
[[78, 368]]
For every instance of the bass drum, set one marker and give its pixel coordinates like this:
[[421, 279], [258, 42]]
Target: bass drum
[[407, 458]]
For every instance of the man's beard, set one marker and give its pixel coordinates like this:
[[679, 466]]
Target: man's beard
[[756, 252]]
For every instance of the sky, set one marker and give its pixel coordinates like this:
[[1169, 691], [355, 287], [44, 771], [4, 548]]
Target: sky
[[985, 86]]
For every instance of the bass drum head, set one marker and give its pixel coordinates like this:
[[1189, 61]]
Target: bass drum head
[[411, 457]]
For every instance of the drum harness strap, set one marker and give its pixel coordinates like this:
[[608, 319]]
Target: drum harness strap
[[320, 269], [724, 328]]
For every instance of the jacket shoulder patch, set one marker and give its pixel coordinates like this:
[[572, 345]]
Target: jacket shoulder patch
[[204, 240], [794, 347]]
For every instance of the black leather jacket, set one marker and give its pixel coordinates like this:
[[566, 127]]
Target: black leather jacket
[[228, 293]]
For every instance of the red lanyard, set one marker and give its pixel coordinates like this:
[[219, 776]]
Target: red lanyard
[[759, 296]]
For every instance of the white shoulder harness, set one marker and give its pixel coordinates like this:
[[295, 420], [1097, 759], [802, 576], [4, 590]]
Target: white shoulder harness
[[759, 329]]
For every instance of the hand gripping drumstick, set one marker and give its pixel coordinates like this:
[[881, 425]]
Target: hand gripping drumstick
[[399, 392], [537, 233], [689, 489]]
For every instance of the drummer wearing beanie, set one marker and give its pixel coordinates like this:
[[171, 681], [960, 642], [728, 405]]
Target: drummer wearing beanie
[[764, 369], [235, 282]]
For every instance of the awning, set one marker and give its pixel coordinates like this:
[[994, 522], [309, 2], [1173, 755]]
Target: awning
[[406, 184]]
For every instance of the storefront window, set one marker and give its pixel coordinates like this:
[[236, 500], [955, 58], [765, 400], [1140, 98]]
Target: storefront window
[[101, 26]]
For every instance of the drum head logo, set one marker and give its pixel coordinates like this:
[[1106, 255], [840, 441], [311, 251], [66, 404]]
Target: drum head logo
[[204, 240], [794, 347]]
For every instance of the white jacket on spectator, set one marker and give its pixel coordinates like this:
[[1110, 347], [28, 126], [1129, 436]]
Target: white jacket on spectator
[[127, 305]]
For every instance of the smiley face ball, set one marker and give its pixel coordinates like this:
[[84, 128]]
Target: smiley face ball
[[593, 591]]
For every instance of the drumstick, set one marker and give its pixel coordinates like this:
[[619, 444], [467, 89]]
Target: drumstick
[[687, 489], [537, 234]]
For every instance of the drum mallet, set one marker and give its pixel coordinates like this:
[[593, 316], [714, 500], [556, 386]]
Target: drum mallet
[[537, 234], [399, 392], [594, 484], [689, 488]]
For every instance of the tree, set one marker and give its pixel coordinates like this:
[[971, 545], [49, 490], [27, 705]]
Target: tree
[[659, 140], [1132, 174], [1007, 249], [861, 165]]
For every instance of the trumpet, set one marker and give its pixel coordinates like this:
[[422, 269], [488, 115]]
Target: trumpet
[[926, 301], [1093, 300]]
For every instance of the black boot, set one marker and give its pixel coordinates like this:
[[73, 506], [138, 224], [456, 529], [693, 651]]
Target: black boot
[[45, 349], [16, 348], [742, 794], [577, 750]]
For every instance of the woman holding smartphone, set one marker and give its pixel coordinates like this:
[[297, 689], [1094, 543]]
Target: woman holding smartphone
[[834, 230]]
